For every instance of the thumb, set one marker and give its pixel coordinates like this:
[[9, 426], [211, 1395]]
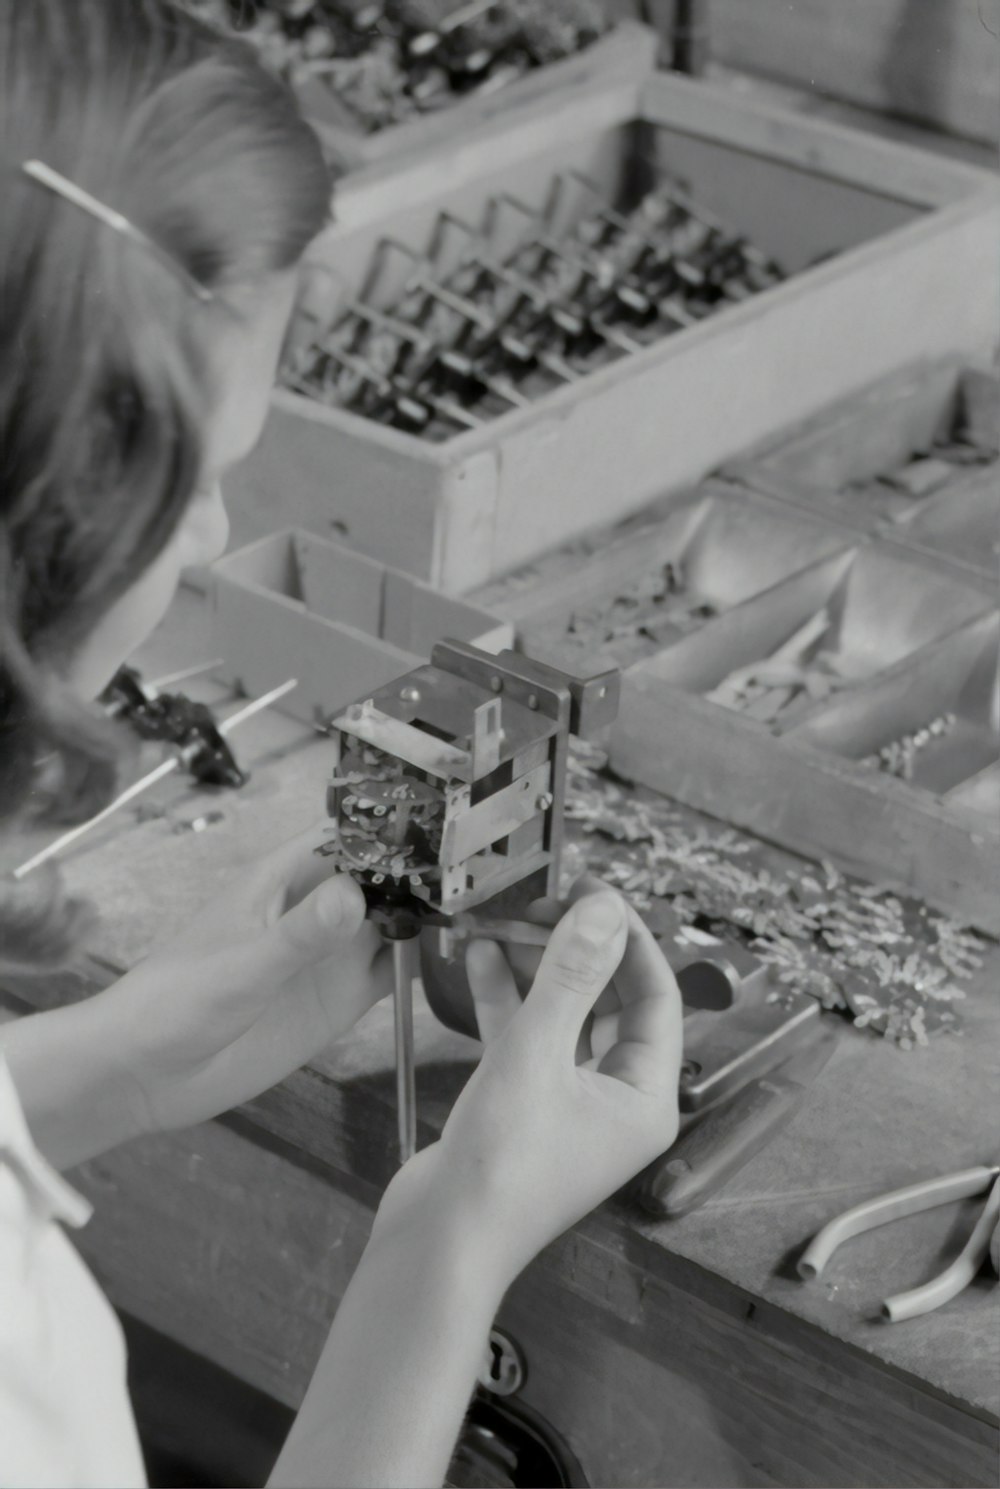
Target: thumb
[[581, 958], [312, 929]]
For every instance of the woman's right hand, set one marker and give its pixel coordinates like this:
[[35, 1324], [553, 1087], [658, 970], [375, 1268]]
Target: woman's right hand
[[545, 1129]]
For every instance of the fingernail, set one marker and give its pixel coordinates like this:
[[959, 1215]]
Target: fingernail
[[599, 916]]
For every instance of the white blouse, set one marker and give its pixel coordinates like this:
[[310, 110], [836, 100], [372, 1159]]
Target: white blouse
[[65, 1418]]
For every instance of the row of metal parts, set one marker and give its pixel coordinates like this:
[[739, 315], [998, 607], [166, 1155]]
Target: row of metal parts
[[389, 59], [388, 821], [490, 319]]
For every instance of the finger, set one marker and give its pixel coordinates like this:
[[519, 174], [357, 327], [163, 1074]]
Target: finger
[[647, 1051], [608, 1001], [548, 911], [603, 1035], [494, 990], [580, 959], [298, 866], [312, 929]]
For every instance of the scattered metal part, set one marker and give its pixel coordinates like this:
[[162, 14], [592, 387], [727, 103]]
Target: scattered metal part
[[888, 962], [898, 757], [199, 824]]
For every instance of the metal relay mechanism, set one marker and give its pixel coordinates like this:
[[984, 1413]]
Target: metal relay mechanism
[[448, 788], [447, 799]]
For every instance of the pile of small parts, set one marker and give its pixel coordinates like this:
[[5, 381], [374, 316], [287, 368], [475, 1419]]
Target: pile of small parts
[[649, 614], [804, 671], [492, 317], [970, 438], [385, 61], [899, 756], [891, 963]]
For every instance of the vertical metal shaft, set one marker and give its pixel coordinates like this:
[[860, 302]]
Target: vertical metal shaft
[[404, 967]]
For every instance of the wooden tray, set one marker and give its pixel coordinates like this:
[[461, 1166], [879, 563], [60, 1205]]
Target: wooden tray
[[297, 605], [909, 242], [629, 51], [604, 602], [890, 461], [917, 641]]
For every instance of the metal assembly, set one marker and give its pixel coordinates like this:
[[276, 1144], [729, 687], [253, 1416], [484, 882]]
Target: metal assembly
[[447, 790], [446, 798]]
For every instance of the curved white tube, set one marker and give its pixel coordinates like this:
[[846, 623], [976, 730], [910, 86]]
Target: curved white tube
[[883, 1208]]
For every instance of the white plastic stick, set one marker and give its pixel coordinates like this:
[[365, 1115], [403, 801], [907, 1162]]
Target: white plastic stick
[[138, 787]]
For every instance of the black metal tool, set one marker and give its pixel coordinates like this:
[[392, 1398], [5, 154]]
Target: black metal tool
[[174, 719]]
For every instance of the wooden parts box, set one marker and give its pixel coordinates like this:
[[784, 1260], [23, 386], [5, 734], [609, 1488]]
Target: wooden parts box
[[629, 51], [915, 458], [296, 605], [909, 643], [916, 648], [892, 255]]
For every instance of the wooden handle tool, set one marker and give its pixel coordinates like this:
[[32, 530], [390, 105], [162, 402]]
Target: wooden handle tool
[[729, 1135]]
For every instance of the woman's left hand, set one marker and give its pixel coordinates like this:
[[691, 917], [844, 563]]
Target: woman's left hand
[[258, 983]]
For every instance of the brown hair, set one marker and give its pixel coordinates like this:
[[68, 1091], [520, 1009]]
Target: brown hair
[[101, 380]]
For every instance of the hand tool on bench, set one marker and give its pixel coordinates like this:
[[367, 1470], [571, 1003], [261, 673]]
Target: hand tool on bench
[[728, 1136], [900, 1203]]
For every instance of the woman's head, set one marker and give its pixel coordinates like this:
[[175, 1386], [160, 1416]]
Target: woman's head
[[123, 395]]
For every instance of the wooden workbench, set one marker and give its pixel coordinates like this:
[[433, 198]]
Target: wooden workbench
[[676, 1353]]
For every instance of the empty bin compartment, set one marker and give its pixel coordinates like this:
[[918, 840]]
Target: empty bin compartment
[[921, 443], [296, 605]]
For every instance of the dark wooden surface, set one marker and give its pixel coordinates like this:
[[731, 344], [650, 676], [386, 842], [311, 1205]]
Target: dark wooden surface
[[682, 1352]]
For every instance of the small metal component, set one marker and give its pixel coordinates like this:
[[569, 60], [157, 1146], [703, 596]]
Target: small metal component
[[465, 369], [426, 42]]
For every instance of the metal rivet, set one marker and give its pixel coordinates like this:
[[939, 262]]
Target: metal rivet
[[410, 694], [532, 700], [496, 683]]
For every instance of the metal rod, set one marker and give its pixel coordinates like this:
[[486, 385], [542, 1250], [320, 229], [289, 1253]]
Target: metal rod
[[403, 968], [256, 704], [138, 787], [128, 795], [159, 683]]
